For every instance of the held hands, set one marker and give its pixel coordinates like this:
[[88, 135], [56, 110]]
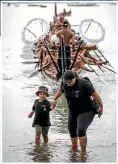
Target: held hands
[[53, 104], [100, 111]]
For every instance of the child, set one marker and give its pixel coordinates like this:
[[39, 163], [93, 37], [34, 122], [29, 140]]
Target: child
[[41, 108]]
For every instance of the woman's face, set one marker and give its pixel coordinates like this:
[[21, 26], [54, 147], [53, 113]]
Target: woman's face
[[72, 82]]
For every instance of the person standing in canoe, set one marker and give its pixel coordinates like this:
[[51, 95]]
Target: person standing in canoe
[[68, 35], [81, 113], [41, 108], [59, 23]]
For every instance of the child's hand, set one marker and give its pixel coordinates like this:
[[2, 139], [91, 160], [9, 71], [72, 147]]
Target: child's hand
[[30, 115], [53, 104]]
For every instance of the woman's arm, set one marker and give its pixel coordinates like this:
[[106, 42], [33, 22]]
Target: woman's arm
[[57, 95], [91, 90], [99, 100], [97, 97]]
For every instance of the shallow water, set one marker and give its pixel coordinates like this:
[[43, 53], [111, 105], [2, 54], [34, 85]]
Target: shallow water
[[19, 94]]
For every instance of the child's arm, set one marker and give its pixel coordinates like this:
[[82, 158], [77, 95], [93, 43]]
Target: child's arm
[[31, 114], [49, 107]]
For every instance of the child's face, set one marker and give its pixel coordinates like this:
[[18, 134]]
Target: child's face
[[42, 96]]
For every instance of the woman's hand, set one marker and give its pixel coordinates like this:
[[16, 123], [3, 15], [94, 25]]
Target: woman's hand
[[100, 111]]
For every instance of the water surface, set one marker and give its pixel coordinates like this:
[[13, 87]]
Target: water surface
[[19, 92]]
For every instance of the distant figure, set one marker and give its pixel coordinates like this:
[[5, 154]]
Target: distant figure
[[59, 22], [54, 39], [41, 108], [65, 13], [68, 35]]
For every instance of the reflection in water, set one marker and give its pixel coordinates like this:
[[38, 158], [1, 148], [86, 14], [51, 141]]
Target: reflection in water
[[41, 153], [48, 153], [78, 157]]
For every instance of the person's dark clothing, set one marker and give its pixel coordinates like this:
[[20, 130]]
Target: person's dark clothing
[[80, 114], [78, 124], [42, 110], [78, 95]]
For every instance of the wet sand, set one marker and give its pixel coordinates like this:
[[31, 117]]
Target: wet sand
[[18, 135]]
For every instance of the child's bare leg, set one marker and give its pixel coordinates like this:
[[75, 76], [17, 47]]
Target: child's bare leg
[[37, 138], [45, 138], [38, 130], [45, 134]]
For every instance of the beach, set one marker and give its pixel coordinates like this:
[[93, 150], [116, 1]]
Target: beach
[[18, 92]]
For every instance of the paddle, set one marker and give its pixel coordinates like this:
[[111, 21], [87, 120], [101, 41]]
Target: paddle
[[109, 69], [63, 60], [76, 55], [74, 25], [26, 50], [39, 70], [33, 51], [52, 60], [34, 73], [49, 55], [94, 70], [105, 58], [105, 66], [29, 71], [98, 66], [25, 56], [30, 62]]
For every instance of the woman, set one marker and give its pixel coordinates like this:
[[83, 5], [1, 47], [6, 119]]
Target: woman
[[77, 92]]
